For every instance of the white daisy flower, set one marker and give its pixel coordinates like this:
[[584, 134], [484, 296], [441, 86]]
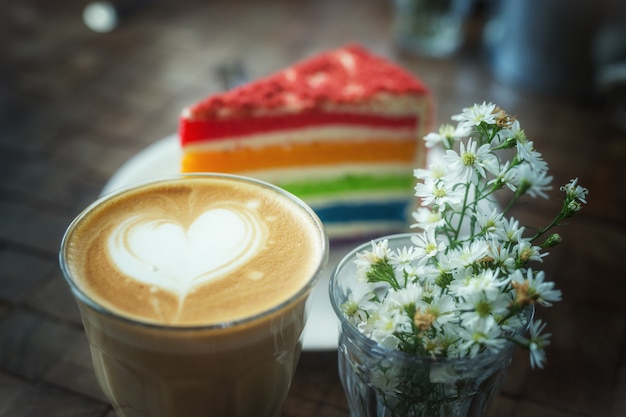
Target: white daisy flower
[[475, 115], [481, 334], [446, 136], [469, 253], [531, 182], [502, 258], [380, 251], [471, 161], [403, 258], [490, 223], [426, 244], [426, 218], [504, 176], [434, 172], [537, 288], [467, 283], [385, 322], [526, 252], [405, 297], [358, 303], [510, 231], [513, 131], [575, 191], [443, 309], [480, 306], [537, 343], [526, 152], [438, 193]]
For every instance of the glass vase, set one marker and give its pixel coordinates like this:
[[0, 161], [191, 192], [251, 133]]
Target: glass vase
[[383, 382]]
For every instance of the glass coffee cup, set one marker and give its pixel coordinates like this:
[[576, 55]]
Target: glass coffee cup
[[193, 293]]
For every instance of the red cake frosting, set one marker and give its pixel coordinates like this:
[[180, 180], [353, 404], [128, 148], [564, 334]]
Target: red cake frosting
[[342, 76]]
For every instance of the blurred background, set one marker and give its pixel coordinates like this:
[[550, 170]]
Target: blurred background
[[80, 96]]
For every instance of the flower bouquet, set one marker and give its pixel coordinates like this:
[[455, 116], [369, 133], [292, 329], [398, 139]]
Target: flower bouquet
[[430, 318]]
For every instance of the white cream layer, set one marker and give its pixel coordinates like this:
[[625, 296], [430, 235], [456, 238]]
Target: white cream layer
[[329, 172], [304, 135]]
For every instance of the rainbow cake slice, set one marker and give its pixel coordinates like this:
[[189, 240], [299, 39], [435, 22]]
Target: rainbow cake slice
[[341, 130]]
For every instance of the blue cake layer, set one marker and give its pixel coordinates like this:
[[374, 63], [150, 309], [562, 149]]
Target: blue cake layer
[[386, 211]]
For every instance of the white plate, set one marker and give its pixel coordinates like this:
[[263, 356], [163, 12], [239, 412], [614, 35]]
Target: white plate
[[163, 159]]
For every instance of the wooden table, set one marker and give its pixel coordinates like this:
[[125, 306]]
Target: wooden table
[[75, 105]]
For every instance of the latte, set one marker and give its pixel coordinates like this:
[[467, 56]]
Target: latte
[[193, 292], [194, 251]]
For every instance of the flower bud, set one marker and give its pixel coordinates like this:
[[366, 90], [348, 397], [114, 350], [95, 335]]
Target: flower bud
[[574, 206], [552, 240]]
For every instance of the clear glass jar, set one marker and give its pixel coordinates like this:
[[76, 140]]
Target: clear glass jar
[[382, 382]]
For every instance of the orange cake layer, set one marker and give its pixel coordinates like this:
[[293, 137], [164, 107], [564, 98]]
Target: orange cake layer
[[300, 155]]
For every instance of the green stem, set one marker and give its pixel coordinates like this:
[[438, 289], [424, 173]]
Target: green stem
[[382, 271], [512, 203], [462, 214], [553, 223]]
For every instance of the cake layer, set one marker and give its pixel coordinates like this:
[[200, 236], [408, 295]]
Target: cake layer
[[325, 173], [310, 134], [347, 185], [193, 131], [359, 219], [377, 211], [296, 154]]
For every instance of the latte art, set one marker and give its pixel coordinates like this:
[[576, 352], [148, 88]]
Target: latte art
[[167, 255]]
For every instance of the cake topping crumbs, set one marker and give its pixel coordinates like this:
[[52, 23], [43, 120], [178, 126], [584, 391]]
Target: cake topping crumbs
[[343, 76]]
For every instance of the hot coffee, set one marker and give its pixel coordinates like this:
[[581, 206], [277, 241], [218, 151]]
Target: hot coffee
[[192, 291]]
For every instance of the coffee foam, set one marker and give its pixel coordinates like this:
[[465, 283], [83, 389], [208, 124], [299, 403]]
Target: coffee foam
[[194, 252]]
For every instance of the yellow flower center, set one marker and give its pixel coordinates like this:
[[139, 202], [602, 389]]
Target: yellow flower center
[[469, 159]]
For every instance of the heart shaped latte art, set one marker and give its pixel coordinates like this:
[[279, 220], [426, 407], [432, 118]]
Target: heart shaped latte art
[[166, 255]]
